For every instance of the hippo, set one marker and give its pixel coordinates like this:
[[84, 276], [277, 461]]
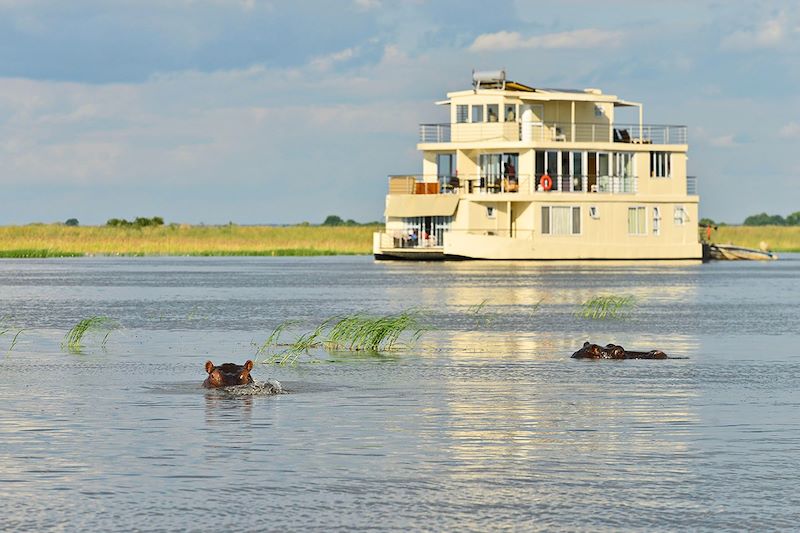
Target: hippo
[[614, 351], [228, 374]]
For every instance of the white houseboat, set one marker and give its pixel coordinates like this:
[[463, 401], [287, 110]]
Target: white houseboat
[[530, 173]]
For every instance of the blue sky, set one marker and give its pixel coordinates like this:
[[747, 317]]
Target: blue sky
[[257, 111]]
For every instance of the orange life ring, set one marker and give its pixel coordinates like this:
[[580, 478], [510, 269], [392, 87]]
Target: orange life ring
[[546, 182]]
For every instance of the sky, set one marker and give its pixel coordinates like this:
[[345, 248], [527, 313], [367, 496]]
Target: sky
[[279, 112]]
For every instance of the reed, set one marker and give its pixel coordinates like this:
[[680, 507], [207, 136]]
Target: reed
[[7, 328], [51, 240], [96, 325], [361, 332], [480, 313], [358, 332], [606, 306], [778, 238]]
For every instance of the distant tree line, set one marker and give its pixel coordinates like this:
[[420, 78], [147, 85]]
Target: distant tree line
[[333, 220], [761, 219], [138, 222]]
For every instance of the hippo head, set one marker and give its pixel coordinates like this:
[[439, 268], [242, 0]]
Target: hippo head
[[595, 351], [228, 374], [589, 351], [614, 351]]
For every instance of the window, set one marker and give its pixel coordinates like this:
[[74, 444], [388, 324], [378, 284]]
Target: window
[[593, 212], [477, 113], [623, 164], [637, 224], [561, 220], [490, 212], [510, 112], [424, 231], [462, 113], [492, 113], [660, 165], [679, 215], [598, 111], [656, 221]]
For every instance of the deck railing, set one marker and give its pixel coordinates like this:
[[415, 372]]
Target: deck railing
[[554, 132], [691, 185], [518, 183]]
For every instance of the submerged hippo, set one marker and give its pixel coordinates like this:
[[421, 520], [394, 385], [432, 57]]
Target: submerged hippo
[[228, 374], [614, 351]]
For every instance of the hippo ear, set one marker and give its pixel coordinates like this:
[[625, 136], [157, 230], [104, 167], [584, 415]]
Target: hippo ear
[[248, 365], [209, 367], [586, 344]]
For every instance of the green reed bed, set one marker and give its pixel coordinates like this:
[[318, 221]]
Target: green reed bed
[[607, 307], [358, 332], [95, 326], [36, 254], [51, 240]]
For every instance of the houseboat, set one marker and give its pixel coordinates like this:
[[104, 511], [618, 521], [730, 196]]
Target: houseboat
[[546, 174]]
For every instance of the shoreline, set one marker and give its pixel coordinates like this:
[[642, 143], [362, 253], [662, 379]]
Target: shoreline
[[56, 240], [41, 241]]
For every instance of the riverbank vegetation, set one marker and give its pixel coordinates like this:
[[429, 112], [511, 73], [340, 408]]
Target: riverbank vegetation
[[58, 240], [777, 238]]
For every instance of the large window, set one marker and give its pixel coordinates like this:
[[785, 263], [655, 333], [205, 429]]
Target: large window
[[446, 172], [637, 221], [495, 167], [424, 231], [561, 220], [477, 113], [462, 113], [660, 165]]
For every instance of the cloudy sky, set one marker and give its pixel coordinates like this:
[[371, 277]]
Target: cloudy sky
[[273, 111]]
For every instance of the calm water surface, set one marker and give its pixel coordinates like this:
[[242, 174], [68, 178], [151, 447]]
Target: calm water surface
[[485, 424]]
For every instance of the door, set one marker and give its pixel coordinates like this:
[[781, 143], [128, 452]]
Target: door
[[591, 171], [445, 170]]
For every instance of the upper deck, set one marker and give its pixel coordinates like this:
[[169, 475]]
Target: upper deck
[[498, 111]]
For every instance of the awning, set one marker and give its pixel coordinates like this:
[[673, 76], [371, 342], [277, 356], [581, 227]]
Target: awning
[[421, 205]]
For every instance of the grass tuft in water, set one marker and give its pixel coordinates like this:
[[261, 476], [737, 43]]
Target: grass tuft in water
[[96, 325], [607, 306], [482, 315], [7, 328], [361, 332], [358, 332]]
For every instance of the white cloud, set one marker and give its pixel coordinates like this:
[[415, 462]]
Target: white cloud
[[327, 61], [723, 141], [769, 34], [193, 127], [576, 39], [366, 5], [790, 130]]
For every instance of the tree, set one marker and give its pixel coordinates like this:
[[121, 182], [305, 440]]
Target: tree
[[705, 222], [763, 219], [333, 220], [793, 219], [72, 222]]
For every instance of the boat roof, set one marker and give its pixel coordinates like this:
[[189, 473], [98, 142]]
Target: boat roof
[[526, 92]]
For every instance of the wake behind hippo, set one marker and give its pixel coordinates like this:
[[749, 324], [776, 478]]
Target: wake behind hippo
[[614, 351], [228, 374]]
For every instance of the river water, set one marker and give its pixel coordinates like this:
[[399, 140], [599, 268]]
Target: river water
[[486, 423]]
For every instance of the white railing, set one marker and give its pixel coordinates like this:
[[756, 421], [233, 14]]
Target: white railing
[[691, 185], [554, 132]]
